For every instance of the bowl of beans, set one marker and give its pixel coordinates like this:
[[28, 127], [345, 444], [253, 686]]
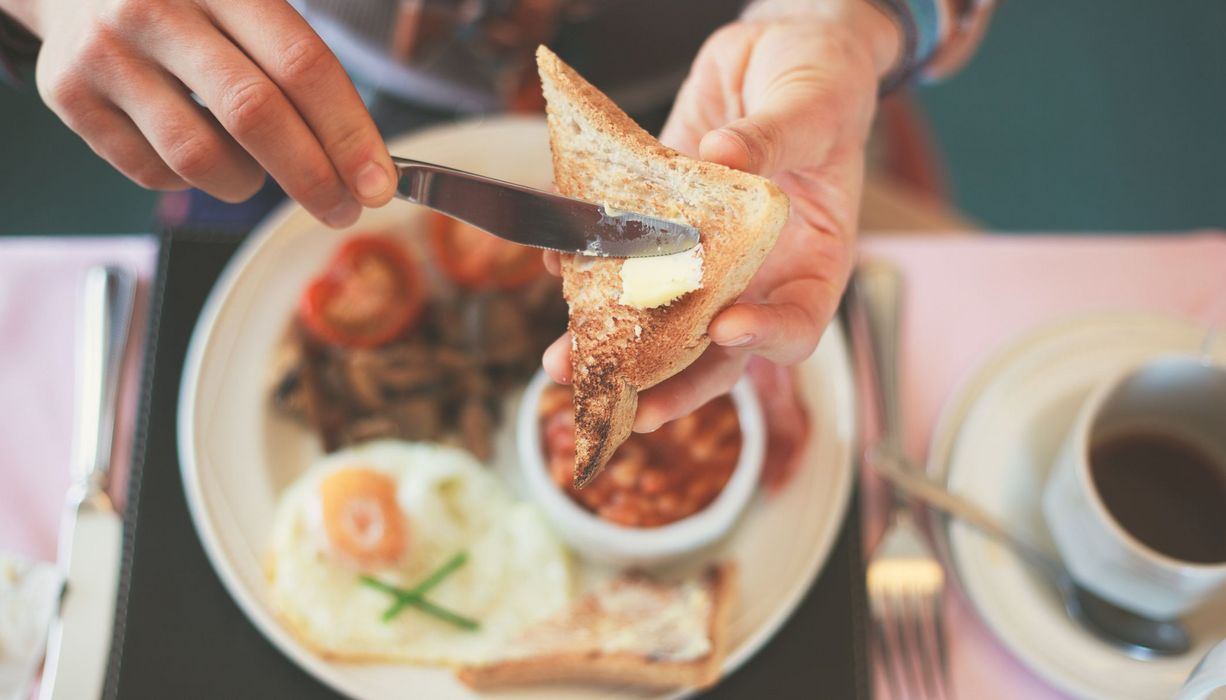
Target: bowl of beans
[[663, 495]]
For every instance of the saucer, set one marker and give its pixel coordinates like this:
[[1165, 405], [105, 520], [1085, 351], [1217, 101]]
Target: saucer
[[994, 443]]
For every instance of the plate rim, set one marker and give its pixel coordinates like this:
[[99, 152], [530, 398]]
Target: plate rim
[[947, 434], [843, 422]]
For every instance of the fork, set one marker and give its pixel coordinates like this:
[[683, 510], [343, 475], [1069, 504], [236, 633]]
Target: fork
[[905, 581]]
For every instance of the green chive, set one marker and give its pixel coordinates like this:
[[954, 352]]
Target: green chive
[[415, 596]]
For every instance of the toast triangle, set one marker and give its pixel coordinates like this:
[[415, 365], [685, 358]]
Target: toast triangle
[[601, 155]]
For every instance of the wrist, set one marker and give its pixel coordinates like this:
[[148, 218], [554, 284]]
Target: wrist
[[877, 32]]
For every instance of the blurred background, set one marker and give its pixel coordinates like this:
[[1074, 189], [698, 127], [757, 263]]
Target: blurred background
[[1097, 115]]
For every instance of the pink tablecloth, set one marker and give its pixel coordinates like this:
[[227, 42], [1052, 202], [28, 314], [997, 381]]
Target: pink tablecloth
[[39, 294], [966, 296]]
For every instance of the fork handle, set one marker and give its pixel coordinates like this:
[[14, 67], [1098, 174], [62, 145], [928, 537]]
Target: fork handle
[[879, 290]]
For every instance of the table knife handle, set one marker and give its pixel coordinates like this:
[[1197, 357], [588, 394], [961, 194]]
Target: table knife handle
[[108, 298]]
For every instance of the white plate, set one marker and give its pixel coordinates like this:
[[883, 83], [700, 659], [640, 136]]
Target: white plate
[[237, 456], [994, 444]]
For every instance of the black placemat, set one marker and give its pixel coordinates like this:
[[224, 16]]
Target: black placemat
[[180, 635]]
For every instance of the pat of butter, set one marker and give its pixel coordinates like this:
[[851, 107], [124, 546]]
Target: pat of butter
[[648, 283]]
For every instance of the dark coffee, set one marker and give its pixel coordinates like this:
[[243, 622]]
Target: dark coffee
[[1165, 492]]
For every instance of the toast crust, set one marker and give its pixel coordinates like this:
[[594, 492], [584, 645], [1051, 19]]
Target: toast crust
[[622, 668], [601, 155]]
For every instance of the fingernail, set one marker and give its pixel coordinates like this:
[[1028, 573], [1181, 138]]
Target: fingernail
[[371, 181], [647, 427], [344, 214], [737, 341]]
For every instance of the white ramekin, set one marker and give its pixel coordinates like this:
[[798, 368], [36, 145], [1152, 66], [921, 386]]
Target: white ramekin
[[598, 539]]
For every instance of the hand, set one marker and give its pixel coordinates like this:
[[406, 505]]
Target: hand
[[121, 73], [791, 99]]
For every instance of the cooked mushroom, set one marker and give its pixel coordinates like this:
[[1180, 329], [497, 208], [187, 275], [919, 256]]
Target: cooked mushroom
[[418, 419], [476, 426]]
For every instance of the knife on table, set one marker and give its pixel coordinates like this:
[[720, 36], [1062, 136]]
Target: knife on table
[[537, 218], [91, 532]]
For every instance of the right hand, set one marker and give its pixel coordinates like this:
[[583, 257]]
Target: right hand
[[121, 73]]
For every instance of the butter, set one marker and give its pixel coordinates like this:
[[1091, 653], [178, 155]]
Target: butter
[[648, 283]]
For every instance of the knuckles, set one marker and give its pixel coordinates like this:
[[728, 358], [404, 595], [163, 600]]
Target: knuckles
[[137, 17], [153, 175], [302, 61], [246, 106], [194, 156]]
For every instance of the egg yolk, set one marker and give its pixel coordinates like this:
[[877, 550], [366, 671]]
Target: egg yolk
[[360, 516]]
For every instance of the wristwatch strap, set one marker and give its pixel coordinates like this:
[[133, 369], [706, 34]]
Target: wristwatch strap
[[939, 36], [919, 23]]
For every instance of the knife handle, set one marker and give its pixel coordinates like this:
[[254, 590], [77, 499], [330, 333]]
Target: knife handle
[[108, 298]]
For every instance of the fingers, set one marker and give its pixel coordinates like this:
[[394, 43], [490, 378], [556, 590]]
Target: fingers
[[185, 137], [713, 374], [556, 360], [772, 97], [783, 135], [553, 262], [289, 52], [786, 330], [113, 136], [261, 119]]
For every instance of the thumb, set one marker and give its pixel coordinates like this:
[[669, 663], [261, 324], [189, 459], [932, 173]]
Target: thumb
[[790, 130]]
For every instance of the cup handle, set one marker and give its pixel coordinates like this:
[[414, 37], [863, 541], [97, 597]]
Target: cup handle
[[1208, 676]]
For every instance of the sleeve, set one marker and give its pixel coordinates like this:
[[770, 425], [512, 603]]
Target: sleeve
[[18, 48]]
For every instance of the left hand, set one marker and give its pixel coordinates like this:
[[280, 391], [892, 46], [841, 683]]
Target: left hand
[[791, 99]]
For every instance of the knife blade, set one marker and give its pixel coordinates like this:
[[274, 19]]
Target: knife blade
[[91, 532], [537, 218]]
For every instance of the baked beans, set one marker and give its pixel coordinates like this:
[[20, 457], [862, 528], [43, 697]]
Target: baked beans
[[654, 478]]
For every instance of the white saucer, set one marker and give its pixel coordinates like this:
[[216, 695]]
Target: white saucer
[[994, 444]]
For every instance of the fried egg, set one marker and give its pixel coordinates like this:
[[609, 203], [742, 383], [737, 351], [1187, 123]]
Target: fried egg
[[396, 512]]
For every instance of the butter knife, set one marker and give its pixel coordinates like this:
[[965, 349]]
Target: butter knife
[[534, 217], [91, 531]]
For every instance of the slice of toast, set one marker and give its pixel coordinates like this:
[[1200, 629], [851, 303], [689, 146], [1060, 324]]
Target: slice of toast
[[632, 631], [601, 155]]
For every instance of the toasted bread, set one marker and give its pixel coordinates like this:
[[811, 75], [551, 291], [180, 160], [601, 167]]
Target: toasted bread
[[601, 155], [633, 631]]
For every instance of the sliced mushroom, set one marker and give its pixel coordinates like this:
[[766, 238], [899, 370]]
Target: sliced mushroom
[[364, 370], [476, 427], [418, 418], [369, 428]]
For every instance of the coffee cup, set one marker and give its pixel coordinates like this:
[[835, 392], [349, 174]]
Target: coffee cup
[[1136, 501]]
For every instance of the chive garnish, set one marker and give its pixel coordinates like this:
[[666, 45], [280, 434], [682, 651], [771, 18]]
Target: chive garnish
[[416, 596]]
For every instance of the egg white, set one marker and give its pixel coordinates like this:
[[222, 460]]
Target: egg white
[[517, 571]]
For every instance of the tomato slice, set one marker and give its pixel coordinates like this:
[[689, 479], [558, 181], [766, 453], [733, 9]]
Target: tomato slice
[[479, 261], [369, 294]]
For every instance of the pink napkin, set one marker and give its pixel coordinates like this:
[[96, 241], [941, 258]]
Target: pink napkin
[[39, 295], [967, 296]]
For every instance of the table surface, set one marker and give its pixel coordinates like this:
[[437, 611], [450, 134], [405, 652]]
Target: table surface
[[1019, 282]]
